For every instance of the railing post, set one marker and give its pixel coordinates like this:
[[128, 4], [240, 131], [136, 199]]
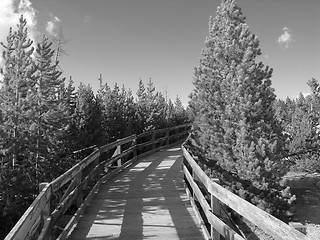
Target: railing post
[[216, 208], [194, 179], [134, 145], [46, 210], [118, 152], [80, 193], [96, 163], [168, 137], [153, 140]]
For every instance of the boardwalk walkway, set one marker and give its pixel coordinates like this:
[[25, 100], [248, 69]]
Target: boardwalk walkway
[[146, 201]]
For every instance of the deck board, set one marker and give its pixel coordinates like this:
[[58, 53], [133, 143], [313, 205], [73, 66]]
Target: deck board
[[146, 201]]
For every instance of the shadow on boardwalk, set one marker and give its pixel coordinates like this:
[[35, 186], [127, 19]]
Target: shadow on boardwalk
[[147, 201]]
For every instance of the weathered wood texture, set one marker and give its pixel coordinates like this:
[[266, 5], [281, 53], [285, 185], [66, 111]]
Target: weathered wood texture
[[271, 225], [42, 217], [145, 201]]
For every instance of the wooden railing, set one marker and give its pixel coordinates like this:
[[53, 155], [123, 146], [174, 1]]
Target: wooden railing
[[61, 202], [207, 198]]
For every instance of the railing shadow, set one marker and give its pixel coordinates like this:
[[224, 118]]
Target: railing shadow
[[143, 202]]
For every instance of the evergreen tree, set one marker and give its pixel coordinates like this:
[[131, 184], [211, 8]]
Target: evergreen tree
[[49, 112], [88, 119], [103, 97], [170, 114], [16, 185], [69, 94], [233, 104], [180, 113], [141, 115], [151, 107]]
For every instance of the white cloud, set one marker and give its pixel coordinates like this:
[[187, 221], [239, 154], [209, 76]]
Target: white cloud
[[52, 25], [286, 38], [87, 19], [11, 11]]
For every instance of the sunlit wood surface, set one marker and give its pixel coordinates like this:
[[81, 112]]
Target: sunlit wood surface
[[146, 201]]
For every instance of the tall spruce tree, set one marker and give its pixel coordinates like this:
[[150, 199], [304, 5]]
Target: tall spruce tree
[[233, 104]]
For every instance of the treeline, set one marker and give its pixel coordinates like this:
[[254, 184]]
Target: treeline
[[44, 119], [300, 121]]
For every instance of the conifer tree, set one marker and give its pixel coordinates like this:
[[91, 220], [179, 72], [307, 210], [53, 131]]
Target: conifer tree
[[49, 111], [16, 185], [170, 113], [141, 115], [179, 112], [151, 107], [88, 119], [18, 80], [233, 104]]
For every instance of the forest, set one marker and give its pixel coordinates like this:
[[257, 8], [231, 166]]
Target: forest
[[45, 121]]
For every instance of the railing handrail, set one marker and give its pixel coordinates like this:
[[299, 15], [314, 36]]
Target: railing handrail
[[37, 219], [258, 217]]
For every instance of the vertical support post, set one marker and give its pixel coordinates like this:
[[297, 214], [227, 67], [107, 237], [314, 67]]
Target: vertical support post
[[134, 145], [216, 208], [96, 162], [194, 179], [79, 199], [118, 152], [153, 140], [167, 137], [46, 210]]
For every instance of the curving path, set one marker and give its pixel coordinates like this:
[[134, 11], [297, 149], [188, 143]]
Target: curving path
[[146, 201]]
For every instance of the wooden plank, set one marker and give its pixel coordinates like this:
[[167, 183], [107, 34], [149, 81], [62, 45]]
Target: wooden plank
[[181, 126], [216, 210], [178, 134], [76, 216], [167, 137], [198, 216], [80, 210], [46, 230], [71, 186], [219, 225], [72, 172], [31, 217], [110, 161], [122, 141], [141, 145], [162, 139], [260, 218]]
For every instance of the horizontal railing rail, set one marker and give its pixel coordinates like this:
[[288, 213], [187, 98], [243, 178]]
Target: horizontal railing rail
[[60, 203], [209, 202]]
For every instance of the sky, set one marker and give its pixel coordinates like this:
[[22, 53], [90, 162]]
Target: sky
[[125, 40]]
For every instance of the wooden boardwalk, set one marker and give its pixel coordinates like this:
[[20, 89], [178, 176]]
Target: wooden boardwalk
[[146, 201]]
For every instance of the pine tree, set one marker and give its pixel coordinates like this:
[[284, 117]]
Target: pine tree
[[141, 115], [170, 113], [151, 107], [179, 112], [16, 186], [233, 104], [49, 112], [88, 119]]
